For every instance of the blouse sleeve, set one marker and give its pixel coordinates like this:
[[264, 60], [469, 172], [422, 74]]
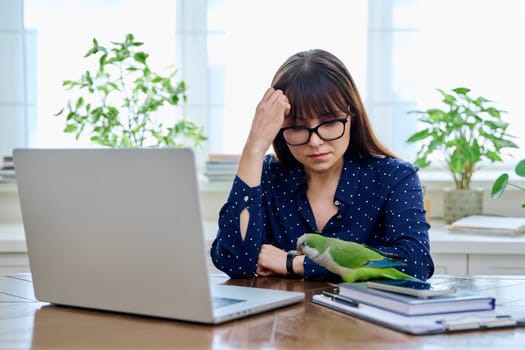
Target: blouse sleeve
[[406, 228], [229, 252]]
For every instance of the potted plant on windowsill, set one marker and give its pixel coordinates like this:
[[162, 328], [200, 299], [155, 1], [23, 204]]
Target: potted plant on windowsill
[[468, 131], [118, 104], [501, 183]]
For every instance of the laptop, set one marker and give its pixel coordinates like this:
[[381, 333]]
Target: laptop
[[121, 230]]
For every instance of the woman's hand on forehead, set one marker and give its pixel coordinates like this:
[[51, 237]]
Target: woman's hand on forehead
[[269, 117]]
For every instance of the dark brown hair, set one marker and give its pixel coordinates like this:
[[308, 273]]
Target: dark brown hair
[[318, 83]]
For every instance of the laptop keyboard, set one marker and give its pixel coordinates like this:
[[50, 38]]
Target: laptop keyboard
[[221, 302]]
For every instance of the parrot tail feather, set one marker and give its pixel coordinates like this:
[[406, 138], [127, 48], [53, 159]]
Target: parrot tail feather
[[398, 275], [385, 263]]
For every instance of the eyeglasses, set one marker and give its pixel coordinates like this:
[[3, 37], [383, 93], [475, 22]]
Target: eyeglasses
[[329, 130]]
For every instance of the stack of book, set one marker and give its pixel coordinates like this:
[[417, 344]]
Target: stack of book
[[7, 170], [459, 311], [414, 306], [221, 167]]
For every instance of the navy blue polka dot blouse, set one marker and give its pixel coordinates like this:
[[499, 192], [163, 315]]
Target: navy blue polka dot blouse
[[380, 204]]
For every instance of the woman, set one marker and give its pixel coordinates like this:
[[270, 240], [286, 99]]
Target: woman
[[329, 175]]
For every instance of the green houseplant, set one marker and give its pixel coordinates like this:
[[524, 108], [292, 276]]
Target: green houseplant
[[118, 103], [502, 181], [467, 131]]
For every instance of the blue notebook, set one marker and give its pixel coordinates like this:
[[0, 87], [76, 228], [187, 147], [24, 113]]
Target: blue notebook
[[461, 301]]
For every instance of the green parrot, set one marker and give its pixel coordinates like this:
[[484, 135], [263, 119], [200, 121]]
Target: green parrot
[[352, 261]]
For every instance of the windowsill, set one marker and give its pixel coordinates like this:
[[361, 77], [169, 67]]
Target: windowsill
[[434, 179], [12, 238], [214, 186], [8, 187]]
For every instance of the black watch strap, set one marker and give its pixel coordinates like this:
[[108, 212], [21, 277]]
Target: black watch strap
[[289, 262]]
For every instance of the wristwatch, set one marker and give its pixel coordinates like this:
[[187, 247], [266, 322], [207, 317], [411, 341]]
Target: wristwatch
[[290, 255]]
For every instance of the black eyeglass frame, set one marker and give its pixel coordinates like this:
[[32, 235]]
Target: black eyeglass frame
[[315, 129]]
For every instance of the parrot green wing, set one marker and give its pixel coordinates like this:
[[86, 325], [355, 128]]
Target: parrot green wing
[[388, 255], [354, 255]]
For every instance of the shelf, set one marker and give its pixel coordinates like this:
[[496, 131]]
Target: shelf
[[12, 238], [8, 187]]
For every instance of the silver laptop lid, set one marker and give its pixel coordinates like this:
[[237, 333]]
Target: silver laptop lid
[[133, 212]]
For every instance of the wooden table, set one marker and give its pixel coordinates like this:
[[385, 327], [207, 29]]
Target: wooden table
[[28, 324]]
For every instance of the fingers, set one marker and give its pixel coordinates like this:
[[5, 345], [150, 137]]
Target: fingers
[[263, 272], [274, 101], [268, 93], [268, 120], [281, 102]]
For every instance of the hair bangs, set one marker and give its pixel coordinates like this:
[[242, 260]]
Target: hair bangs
[[312, 99]]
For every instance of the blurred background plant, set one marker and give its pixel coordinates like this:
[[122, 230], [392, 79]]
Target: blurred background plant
[[469, 131], [118, 104]]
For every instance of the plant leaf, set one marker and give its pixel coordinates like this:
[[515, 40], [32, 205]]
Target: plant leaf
[[421, 163], [499, 186], [501, 143], [70, 128], [520, 168], [418, 136], [461, 90], [141, 57], [493, 156]]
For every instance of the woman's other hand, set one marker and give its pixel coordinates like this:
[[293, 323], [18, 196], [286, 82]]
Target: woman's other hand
[[271, 261]]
